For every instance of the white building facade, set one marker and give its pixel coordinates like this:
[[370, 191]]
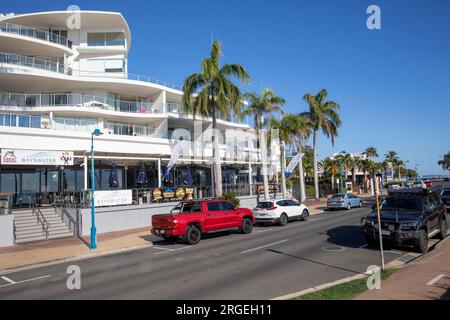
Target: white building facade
[[64, 74]]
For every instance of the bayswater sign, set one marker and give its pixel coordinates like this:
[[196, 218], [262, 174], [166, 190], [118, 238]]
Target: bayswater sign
[[36, 158], [113, 198]]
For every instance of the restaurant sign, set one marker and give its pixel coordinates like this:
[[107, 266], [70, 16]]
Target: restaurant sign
[[113, 198], [36, 157]]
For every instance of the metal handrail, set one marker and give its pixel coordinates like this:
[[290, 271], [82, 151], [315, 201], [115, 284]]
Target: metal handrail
[[72, 221], [41, 220]]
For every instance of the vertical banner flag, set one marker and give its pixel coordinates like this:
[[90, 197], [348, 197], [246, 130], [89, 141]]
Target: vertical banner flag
[[293, 164], [173, 159], [389, 172]]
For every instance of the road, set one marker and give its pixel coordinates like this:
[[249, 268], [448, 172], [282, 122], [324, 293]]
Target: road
[[270, 262]]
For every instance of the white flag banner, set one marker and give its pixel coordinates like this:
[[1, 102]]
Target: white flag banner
[[176, 152], [293, 164]]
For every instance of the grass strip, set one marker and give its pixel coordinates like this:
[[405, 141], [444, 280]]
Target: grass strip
[[344, 291]]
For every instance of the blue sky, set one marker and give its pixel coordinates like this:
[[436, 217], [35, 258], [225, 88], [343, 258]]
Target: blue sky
[[393, 84]]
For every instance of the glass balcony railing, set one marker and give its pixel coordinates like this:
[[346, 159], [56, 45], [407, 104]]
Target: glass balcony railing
[[74, 125], [52, 66], [80, 100], [35, 33]]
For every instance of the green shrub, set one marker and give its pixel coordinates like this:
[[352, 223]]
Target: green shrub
[[232, 198]]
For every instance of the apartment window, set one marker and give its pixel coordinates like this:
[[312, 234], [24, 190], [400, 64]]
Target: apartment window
[[106, 39], [114, 65]]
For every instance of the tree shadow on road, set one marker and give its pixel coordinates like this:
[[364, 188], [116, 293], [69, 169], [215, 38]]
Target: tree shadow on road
[[346, 236]]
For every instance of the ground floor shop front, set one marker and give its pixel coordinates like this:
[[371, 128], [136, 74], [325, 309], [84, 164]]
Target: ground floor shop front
[[47, 183]]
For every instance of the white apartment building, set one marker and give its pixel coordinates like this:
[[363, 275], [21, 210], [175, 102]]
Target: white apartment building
[[58, 84]]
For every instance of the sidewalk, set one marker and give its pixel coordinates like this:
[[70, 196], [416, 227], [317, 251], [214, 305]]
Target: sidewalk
[[426, 279], [73, 248]]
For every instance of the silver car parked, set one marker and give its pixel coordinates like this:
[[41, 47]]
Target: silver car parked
[[344, 201]]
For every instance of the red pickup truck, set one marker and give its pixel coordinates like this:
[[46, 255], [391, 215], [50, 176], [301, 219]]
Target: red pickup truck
[[190, 219]]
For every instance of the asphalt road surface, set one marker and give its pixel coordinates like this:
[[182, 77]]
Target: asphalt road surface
[[270, 262]]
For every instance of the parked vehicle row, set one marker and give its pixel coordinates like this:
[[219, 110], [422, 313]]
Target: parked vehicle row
[[189, 220]]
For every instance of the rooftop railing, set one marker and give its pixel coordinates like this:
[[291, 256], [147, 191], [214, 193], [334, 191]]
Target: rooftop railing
[[35, 33]]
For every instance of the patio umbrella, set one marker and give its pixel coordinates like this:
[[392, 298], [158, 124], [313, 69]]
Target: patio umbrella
[[113, 178], [258, 175], [142, 177], [188, 180]]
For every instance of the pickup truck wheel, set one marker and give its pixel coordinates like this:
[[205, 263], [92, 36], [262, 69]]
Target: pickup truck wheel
[[246, 226], [421, 243], [283, 219], [305, 215], [444, 229], [193, 235], [371, 242]]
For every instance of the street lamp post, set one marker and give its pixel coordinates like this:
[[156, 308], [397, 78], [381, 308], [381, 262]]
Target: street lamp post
[[96, 133], [341, 178]]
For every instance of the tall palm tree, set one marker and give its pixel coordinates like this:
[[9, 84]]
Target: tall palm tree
[[288, 129], [371, 153], [259, 106], [303, 133], [322, 115], [212, 91]]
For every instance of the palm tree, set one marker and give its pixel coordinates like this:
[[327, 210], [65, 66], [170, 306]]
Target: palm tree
[[371, 152], [353, 163], [303, 133], [288, 129], [211, 91], [330, 167], [260, 106], [322, 115], [392, 157]]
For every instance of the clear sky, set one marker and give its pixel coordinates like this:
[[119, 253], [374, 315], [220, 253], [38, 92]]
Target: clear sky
[[393, 84]]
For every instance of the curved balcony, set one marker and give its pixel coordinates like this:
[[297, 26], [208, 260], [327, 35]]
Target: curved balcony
[[75, 125], [42, 64], [35, 34], [89, 101]]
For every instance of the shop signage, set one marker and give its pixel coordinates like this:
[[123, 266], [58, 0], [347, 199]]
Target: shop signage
[[113, 198], [157, 195], [168, 193], [180, 193], [36, 157]]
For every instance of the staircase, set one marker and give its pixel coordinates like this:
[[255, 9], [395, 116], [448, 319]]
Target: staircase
[[28, 229]]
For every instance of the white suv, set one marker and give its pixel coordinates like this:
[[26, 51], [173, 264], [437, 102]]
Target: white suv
[[280, 211]]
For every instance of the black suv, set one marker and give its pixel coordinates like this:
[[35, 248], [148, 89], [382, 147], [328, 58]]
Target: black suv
[[408, 217]]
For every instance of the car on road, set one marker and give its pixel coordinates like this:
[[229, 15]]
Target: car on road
[[189, 220], [445, 197], [280, 211], [344, 201], [408, 217]]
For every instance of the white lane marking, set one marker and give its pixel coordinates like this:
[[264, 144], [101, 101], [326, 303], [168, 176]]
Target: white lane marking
[[261, 231], [8, 280], [435, 279], [24, 281], [363, 246], [265, 246], [311, 220], [171, 250], [161, 248]]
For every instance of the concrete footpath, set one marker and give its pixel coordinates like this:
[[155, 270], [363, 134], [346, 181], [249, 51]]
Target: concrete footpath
[[427, 278], [26, 255]]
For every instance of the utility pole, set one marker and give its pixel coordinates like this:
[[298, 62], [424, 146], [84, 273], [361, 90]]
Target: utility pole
[[341, 179], [380, 236]]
